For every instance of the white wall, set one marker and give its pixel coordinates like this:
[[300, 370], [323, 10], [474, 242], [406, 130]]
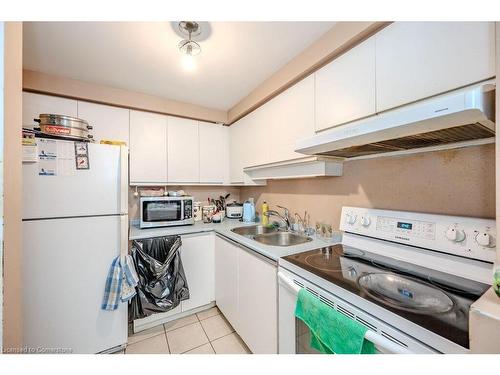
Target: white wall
[[1, 184]]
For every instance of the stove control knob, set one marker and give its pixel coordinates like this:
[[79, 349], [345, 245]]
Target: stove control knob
[[365, 221], [350, 218], [352, 272], [485, 239], [454, 234]]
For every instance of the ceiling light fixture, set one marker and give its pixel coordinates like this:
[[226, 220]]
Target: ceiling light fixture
[[188, 46]]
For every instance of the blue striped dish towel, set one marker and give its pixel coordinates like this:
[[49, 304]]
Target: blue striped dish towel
[[120, 282]]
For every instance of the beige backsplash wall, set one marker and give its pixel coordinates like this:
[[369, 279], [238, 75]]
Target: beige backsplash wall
[[455, 182], [200, 193]]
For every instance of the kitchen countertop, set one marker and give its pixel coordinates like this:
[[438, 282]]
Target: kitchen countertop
[[224, 229]]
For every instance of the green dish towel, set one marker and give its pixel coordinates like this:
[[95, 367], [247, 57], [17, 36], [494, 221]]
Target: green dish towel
[[331, 331]]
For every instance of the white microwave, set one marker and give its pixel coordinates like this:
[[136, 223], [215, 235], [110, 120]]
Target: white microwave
[[166, 211]]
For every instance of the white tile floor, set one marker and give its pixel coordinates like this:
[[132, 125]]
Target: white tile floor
[[206, 332]]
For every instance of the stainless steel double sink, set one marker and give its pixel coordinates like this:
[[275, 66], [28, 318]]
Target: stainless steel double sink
[[271, 236]]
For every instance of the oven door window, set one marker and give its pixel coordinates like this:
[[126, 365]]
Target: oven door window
[[303, 339], [155, 211]]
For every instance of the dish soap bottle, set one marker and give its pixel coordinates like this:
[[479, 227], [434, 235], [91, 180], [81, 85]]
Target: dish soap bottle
[[265, 219]]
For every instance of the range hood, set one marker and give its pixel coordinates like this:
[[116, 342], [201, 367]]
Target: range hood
[[456, 119]]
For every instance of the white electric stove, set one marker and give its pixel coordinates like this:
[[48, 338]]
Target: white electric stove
[[409, 277]]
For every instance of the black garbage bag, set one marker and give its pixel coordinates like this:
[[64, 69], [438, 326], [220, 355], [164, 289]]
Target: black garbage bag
[[162, 282]]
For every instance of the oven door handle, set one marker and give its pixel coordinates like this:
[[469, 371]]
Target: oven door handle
[[370, 335]]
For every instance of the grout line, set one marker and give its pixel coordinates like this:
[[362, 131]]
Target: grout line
[[196, 347], [214, 307], [208, 338], [187, 325], [218, 338], [166, 338], [144, 339]]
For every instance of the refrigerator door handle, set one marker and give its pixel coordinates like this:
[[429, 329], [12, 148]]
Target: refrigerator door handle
[[123, 180]]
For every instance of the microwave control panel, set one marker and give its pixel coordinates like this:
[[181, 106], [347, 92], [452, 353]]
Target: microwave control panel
[[188, 209]]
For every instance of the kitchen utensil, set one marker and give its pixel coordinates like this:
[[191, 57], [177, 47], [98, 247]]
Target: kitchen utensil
[[173, 193], [64, 126], [151, 192]]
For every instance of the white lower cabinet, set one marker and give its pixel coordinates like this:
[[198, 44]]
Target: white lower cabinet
[[226, 279], [197, 254], [257, 303], [246, 293]]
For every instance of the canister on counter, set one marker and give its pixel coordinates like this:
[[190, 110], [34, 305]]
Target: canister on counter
[[197, 211], [207, 213]]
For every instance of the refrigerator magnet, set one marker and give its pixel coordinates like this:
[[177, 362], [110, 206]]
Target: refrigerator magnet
[[82, 155], [82, 162]]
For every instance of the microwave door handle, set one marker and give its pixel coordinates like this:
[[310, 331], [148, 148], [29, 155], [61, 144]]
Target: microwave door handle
[[379, 341]]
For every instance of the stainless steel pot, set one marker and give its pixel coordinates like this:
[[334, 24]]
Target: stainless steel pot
[[65, 126]]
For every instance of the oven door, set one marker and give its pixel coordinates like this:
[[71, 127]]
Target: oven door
[[294, 335], [157, 212]]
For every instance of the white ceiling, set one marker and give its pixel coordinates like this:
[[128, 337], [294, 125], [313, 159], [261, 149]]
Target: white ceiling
[[143, 56]]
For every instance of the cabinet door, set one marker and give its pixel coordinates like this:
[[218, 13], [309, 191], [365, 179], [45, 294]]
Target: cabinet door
[[109, 123], [416, 60], [213, 152], [183, 150], [345, 88], [148, 147], [35, 104], [257, 303], [237, 150], [226, 279], [288, 118], [197, 254], [256, 138]]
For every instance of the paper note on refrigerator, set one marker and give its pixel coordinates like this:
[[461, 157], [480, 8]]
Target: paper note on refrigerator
[[47, 157]]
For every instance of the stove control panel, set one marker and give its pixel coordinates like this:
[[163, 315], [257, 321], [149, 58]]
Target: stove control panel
[[464, 236]]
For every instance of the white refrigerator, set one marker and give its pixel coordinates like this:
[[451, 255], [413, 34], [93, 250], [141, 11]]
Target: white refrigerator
[[74, 223]]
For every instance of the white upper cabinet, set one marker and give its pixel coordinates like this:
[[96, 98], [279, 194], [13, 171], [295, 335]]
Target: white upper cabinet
[[183, 151], [238, 147], [345, 88], [214, 158], [148, 147], [255, 135], [35, 104], [416, 60], [287, 118], [109, 123]]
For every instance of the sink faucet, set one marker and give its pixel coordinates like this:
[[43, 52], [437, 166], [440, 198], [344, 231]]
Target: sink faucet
[[285, 218]]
